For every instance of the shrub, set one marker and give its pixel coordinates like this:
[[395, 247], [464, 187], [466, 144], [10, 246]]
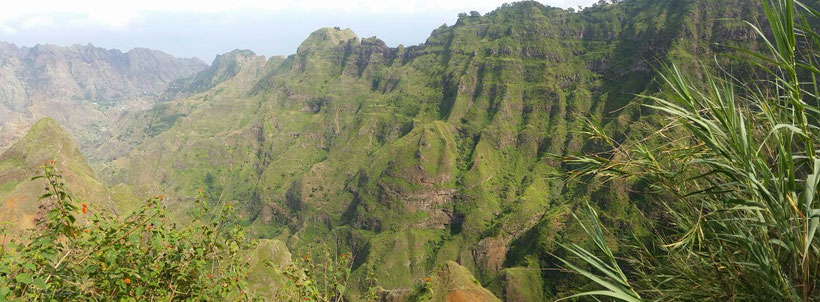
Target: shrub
[[81, 254], [323, 280]]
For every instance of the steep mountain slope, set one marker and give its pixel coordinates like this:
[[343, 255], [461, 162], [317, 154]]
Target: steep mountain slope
[[45, 141], [83, 87], [415, 156]]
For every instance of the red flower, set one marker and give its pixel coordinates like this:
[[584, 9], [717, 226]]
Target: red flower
[[210, 276], [159, 196], [342, 255], [85, 208], [426, 279], [127, 281]]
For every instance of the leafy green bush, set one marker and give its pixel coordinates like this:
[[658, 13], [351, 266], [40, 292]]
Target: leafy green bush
[[78, 253], [323, 280]]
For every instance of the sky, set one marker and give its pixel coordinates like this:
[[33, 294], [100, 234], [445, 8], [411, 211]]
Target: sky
[[205, 28]]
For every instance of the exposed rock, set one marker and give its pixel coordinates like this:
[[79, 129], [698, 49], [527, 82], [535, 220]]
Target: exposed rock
[[490, 253]]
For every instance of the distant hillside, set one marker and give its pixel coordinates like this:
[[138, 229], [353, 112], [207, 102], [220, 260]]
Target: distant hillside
[[84, 88], [223, 68], [45, 141]]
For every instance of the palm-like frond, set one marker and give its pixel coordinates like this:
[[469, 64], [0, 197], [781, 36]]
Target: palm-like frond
[[744, 179]]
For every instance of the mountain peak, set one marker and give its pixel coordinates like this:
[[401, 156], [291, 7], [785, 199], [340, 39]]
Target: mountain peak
[[46, 122], [241, 52], [46, 140], [326, 37], [223, 68], [231, 60], [47, 129]]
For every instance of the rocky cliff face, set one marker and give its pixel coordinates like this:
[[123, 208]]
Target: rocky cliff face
[[84, 88]]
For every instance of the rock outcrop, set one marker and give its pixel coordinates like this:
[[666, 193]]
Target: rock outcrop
[[454, 283]]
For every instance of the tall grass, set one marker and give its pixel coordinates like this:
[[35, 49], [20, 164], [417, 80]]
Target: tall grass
[[736, 173]]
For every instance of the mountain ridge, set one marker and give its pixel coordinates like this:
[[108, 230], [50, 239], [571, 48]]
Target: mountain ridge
[[413, 156], [83, 87]]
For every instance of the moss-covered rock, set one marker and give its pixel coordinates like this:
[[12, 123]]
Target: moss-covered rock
[[519, 284], [263, 278], [453, 283]]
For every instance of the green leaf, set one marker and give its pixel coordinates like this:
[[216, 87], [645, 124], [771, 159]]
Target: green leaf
[[40, 283], [616, 295], [23, 278]]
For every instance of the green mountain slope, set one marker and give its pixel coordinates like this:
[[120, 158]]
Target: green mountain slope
[[415, 156], [45, 141]]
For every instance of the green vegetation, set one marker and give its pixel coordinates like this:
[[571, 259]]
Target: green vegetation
[[81, 254], [45, 141], [733, 180], [323, 280], [414, 156], [443, 160], [77, 253], [451, 282]]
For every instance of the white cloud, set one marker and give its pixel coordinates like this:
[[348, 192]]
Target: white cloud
[[8, 30], [203, 28], [119, 14], [37, 22]]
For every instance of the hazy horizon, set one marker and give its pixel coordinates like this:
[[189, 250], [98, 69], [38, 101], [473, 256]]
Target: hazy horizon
[[202, 30]]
